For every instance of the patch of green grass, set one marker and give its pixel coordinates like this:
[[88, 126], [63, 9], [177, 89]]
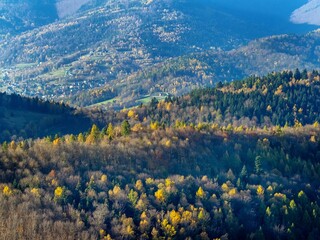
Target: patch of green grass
[[96, 58], [25, 65], [58, 73], [146, 99], [104, 102]]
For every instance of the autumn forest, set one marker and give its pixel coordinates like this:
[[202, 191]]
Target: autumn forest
[[238, 161]]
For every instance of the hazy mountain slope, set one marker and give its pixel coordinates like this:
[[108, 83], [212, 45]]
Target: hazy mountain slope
[[114, 43], [69, 7], [180, 75], [20, 15], [171, 26]]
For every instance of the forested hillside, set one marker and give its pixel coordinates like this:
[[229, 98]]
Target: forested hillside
[[22, 117], [278, 99], [187, 167], [283, 99], [126, 119], [143, 182]]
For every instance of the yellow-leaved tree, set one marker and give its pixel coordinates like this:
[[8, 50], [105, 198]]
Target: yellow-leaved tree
[[260, 190], [7, 190], [175, 217], [200, 193], [160, 195]]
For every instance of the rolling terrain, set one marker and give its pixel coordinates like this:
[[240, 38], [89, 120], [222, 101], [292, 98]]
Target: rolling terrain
[[179, 75], [169, 143], [186, 167], [111, 45]]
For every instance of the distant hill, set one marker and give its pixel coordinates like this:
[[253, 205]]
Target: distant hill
[[111, 45], [17, 16], [180, 75]]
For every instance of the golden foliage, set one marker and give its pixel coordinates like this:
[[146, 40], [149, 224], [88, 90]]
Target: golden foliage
[[200, 193], [297, 124], [160, 195], [268, 212], [144, 225], [137, 127], [139, 185], [35, 192], [260, 190], [301, 194], [269, 108], [313, 139], [175, 217], [91, 139], [54, 182], [225, 187], [239, 129], [280, 196], [12, 145], [129, 230], [102, 232], [116, 190], [168, 106], [201, 214], [131, 114], [80, 138], [232, 192], [215, 126], [168, 229], [58, 192], [108, 237], [168, 143], [186, 216], [292, 204], [154, 125], [149, 181], [279, 90], [104, 178], [57, 141], [7, 190], [270, 188], [169, 182], [229, 127]]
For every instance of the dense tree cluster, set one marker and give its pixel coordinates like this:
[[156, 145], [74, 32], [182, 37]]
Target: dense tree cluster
[[138, 182], [284, 99], [239, 161]]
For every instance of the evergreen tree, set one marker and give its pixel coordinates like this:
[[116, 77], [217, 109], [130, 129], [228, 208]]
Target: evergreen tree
[[125, 128], [257, 165]]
